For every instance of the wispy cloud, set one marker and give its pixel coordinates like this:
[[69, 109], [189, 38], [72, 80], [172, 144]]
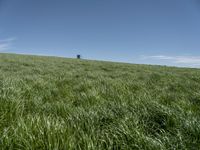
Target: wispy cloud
[[192, 61], [5, 44]]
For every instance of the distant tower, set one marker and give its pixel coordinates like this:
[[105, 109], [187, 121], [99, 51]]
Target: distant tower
[[78, 56]]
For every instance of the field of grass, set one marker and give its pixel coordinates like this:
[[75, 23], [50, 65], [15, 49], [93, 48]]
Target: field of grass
[[68, 104]]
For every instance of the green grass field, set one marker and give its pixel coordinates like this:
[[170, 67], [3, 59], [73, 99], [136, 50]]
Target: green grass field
[[68, 104]]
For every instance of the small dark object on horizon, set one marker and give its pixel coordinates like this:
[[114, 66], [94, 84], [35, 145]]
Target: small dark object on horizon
[[78, 56]]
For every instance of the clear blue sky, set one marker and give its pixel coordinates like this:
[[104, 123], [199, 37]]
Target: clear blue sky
[[136, 31]]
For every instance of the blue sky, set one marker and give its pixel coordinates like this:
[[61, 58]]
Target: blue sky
[[165, 32]]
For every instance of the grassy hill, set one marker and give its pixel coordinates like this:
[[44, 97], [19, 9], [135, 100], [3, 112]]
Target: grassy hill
[[57, 103]]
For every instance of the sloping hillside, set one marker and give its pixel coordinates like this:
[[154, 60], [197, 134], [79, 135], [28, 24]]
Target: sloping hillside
[[57, 103]]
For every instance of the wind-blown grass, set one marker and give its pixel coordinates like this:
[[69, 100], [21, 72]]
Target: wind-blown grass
[[57, 103]]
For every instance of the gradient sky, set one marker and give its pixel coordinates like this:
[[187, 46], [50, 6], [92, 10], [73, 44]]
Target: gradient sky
[[165, 32]]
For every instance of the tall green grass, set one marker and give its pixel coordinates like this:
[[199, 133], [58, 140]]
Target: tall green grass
[[67, 104]]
